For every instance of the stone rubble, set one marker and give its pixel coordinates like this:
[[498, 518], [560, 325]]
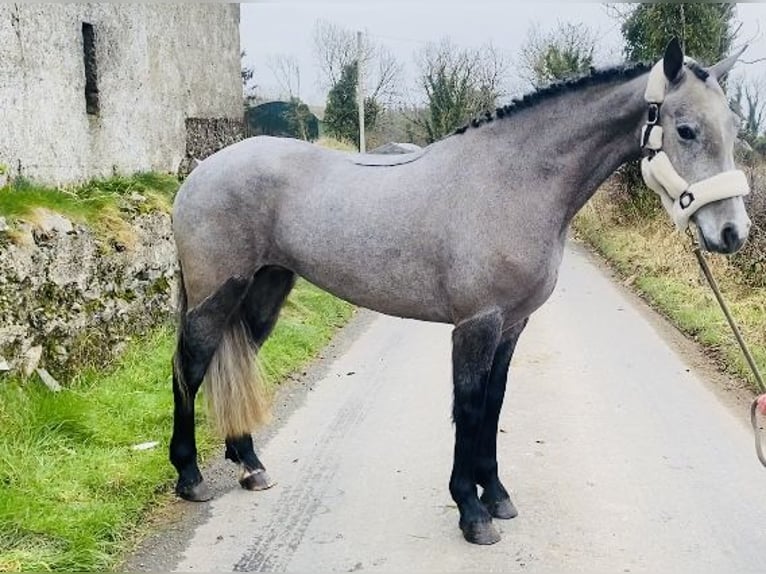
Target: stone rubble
[[48, 380]]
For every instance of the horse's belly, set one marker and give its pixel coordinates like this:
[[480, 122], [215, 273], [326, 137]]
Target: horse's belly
[[367, 252], [384, 281], [397, 292]]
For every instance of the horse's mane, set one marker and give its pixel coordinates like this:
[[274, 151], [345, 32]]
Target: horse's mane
[[593, 77]]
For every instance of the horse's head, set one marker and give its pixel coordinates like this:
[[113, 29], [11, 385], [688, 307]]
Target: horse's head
[[697, 137]]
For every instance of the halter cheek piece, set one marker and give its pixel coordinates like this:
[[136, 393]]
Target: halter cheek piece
[[680, 199]]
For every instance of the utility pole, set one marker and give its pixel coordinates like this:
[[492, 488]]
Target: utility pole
[[360, 90]]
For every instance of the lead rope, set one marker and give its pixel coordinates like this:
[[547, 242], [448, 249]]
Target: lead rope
[[737, 335]]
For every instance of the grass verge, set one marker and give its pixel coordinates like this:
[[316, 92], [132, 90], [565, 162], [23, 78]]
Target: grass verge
[[105, 205], [336, 144], [72, 489], [657, 262]]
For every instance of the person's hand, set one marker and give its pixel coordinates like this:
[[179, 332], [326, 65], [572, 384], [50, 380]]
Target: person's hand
[[762, 404]]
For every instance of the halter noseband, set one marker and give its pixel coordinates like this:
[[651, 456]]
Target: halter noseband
[[680, 199]]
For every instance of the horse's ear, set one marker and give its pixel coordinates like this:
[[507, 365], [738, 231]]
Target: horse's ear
[[719, 70], [673, 61]]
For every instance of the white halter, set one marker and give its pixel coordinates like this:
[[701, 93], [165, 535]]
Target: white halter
[[680, 199]]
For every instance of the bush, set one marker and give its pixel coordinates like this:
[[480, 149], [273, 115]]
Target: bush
[[630, 194], [751, 260], [336, 144]]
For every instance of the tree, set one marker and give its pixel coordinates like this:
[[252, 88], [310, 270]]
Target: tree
[[394, 124], [336, 48], [706, 30], [301, 121], [565, 51], [458, 83], [247, 73], [283, 119], [746, 98], [337, 52], [341, 116], [287, 74]]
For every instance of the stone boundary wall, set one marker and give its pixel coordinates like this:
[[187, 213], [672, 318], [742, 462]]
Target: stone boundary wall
[[205, 136], [69, 298]]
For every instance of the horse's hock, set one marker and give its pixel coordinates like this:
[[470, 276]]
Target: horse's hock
[[69, 297]]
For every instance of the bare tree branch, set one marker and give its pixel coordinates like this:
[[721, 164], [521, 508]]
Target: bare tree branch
[[618, 11], [247, 72], [388, 77], [546, 56], [287, 74], [747, 101], [756, 36], [457, 83], [335, 48]]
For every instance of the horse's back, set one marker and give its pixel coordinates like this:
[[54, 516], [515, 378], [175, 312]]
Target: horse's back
[[240, 167]]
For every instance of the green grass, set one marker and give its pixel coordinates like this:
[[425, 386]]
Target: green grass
[[658, 264], [309, 316], [72, 490], [103, 204]]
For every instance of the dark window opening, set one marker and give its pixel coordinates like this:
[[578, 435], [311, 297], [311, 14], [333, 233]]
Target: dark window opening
[[92, 105]]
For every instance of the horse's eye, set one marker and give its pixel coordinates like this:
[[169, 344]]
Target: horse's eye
[[686, 132]]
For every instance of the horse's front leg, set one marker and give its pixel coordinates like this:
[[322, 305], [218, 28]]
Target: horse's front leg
[[474, 343], [495, 497]]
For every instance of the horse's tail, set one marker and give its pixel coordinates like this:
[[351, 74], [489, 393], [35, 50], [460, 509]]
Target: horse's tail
[[237, 398]]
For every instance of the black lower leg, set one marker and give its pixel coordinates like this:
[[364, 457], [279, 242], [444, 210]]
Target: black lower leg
[[473, 348], [240, 451], [183, 447], [495, 497], [200, 333]]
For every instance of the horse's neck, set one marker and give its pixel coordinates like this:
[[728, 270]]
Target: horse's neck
[[576, 140], [608, 131]]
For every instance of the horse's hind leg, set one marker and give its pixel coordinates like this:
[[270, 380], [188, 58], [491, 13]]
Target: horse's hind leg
[[495, 497], [261, 307], [199, 335], [473, 349]]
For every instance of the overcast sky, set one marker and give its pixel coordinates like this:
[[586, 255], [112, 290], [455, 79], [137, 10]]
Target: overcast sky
[[283, 27]]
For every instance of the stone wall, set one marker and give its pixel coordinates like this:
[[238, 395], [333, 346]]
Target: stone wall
[[153, 66], [70, 298], [206, 136]]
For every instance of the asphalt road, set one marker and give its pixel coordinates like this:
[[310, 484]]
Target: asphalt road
[[622, 450]]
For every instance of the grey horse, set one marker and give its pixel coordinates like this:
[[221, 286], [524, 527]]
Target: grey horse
[[470, 232]]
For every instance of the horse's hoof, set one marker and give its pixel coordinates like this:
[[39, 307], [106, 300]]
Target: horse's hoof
[[503, 508], [257, 479], [483, 533], [196, 493]]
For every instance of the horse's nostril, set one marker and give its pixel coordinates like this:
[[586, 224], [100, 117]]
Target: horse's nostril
[[731, 239]]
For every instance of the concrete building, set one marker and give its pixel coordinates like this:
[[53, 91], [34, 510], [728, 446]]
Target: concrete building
[[94, 89]]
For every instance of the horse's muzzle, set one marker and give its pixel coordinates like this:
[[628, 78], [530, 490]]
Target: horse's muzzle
[[729, 241]]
